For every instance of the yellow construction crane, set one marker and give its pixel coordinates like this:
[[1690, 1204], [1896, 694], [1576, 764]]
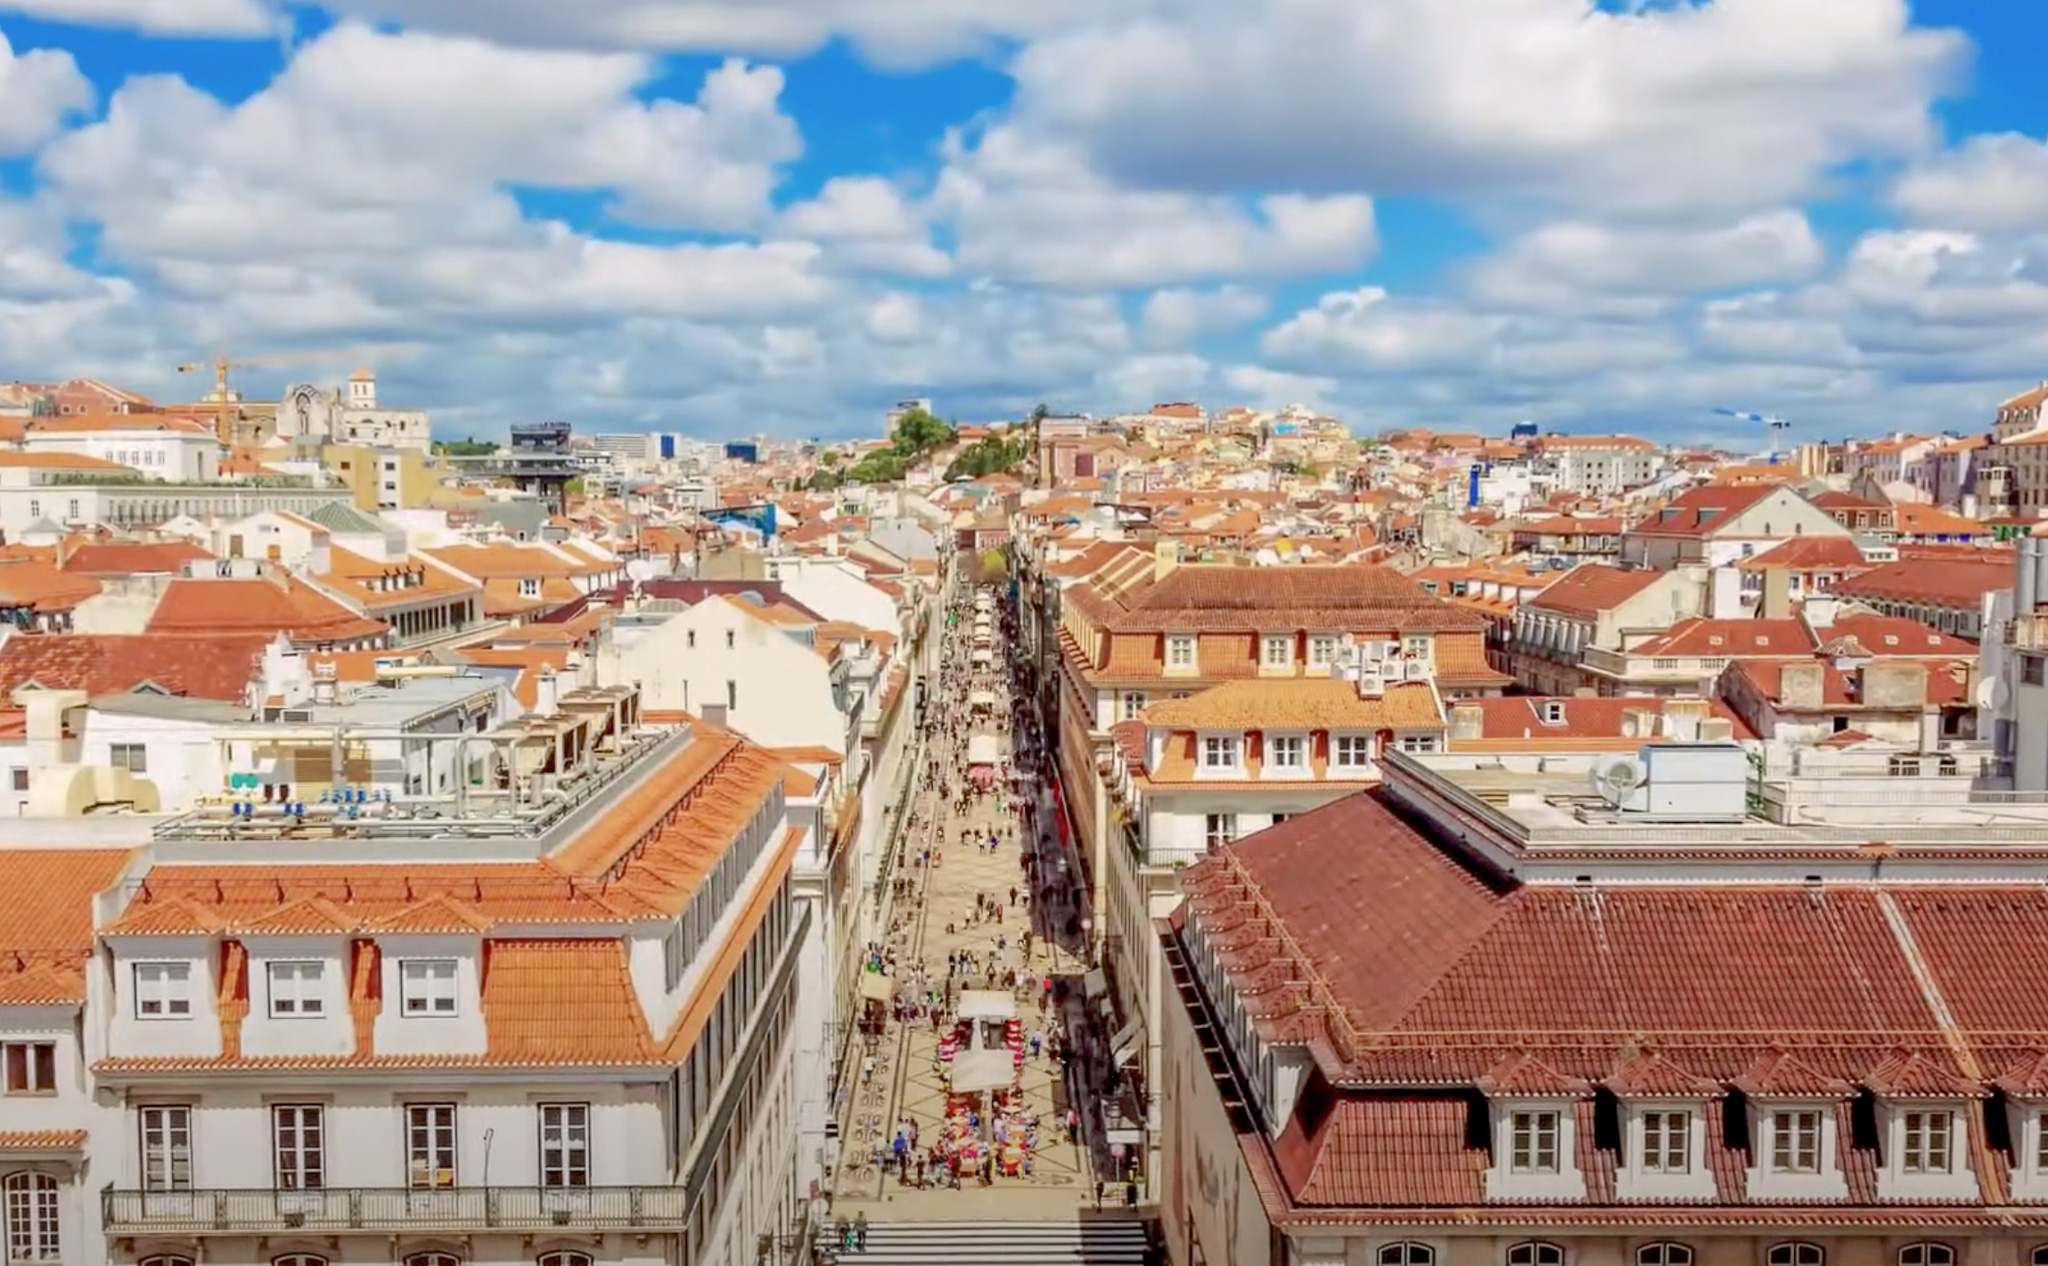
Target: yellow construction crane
[[222, 398]]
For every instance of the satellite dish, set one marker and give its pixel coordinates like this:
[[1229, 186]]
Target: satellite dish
[[2001, 694], [1616, 779]]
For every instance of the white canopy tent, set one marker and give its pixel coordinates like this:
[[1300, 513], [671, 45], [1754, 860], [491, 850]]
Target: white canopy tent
[[984, 656], [981, 699], [983, 749]]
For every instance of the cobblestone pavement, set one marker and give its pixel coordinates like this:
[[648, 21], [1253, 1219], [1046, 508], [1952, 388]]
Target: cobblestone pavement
[[937, 917]]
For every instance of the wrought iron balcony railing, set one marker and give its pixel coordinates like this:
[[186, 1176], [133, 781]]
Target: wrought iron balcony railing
[[241, 1210]]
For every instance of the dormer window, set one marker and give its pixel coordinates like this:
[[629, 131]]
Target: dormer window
[[1180, 652], [1535, 1137], [1553, 712], [1219, 751], [296, 990], [1279, 652], [1286, 751], [1928, 1141], [1667, 1142], [529, 588], [1322, 651], [1795, 1141]]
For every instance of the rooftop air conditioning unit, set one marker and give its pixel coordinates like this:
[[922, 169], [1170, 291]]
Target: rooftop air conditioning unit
[[1621, 781], [296, 716], [1415, 670]]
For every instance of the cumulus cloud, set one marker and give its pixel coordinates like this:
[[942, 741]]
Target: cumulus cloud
[[1031, 213], [1567, 262], [1176, 317], [39, 90], [1734, 105], [869, 225], [1996, 183], [158, 17]]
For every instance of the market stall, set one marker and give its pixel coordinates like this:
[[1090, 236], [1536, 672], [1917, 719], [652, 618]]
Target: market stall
[[983, 751], [982, 700]]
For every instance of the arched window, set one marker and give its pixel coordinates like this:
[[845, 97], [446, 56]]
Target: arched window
[[32, 1218], [1666, 1254], [2041, 1256], [564, 1259], [165, 1260], [1407, 1255], [298, 1259], [1927, 1254], [1796, 1254], [432, 1259], [1535, 1253]]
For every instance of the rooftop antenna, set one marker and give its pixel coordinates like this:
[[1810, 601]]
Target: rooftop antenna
[[1777, 426]]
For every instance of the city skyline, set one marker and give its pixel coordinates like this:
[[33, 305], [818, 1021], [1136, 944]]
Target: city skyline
[[716, 218]]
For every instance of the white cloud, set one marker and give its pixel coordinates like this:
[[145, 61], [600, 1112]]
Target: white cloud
[[39, 90], [1733, 105], [157, 17], [1994, 183], [869, 226], [1564, 263], [1035, 214], [1369, 327], [1177, 317]]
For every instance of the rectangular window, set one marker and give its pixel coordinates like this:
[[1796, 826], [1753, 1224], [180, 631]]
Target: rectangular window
[[529, 588], [1286, 751], [1131, 704], [565, 1145], [690, 638], [730, 636], [1322, 651], [1418, 742], [21, 780], [2032, 671], [30, 1067], [1219, 829], [732, 696], [1180, 652], [1416, 644], [428, 986], [2041, 1153], [1279, 652], [133, 757], [1535, 1143], [1927, 1142], [430, 1145], [166, 1148], [300, 1145], [35, 508], [1219, 752], [1795, 1142], [72, 510], [1667, 1142], [296, 989], [1352, 751], [163, 991]]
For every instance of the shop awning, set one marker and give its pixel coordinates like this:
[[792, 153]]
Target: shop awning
[[1129, 1138], [1128, 1034], [987, 1004], [1095, 982], [983, 1070], [983, 749], [983, 656], [876, 987], [982, 699]]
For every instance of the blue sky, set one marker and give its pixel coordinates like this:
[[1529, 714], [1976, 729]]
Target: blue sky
[[726, 216]]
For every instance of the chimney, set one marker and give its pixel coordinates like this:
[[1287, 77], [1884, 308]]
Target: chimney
[[1468, 721], [1895, 683], [45, 723], [546, 694], [320, 558], [1821, 611], [1165, 557], [1801, 687], [1777, 599]]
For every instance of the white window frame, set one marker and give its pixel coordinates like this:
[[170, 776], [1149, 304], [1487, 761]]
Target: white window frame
[[1322, 650], [1129, 704], [1407, 1253], [298, 1146], [1295, 744], [1664, 1253], [1360, 744], [1418, 744], [164, 1135], [1929, 1142], [35, 1218], [1535, 1253], [297, 988], [1180, 650], [529, 587], [1796, 1253], [1927, 1253], [1416, 644], [1276, 642], [430, 1146], [1796, 1140], [1536, 1141], [1667, 1142], [163, 990], [1220, 752], [1219, 829], [429, 987], [564, 1144]]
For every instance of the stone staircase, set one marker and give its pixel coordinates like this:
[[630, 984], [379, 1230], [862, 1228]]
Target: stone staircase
[[1072, 1242]]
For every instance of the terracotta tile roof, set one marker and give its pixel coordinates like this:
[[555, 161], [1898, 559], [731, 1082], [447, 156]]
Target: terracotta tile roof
[[134, 558], [1648, 1074], [219, 668], [1303, 703], [1592, 722], [1701, 511], [268, 605], [61, 461], [1890, 635], [565, 1002], [46, 919], [1383, 1150], [357, 578], [1809, 553], [1591, 588], [41, 586], [42, 1140], [1730, 639], [1914, 519], [1944, 583], [1214, 598]]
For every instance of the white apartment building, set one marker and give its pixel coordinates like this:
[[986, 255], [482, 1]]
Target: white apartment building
[[350, 416], [553, 1029], [1598, 465], [155, 445]]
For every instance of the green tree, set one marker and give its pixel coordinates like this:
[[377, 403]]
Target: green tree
[[918, 433], [467, 447], [824, 481], [994, 566]]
